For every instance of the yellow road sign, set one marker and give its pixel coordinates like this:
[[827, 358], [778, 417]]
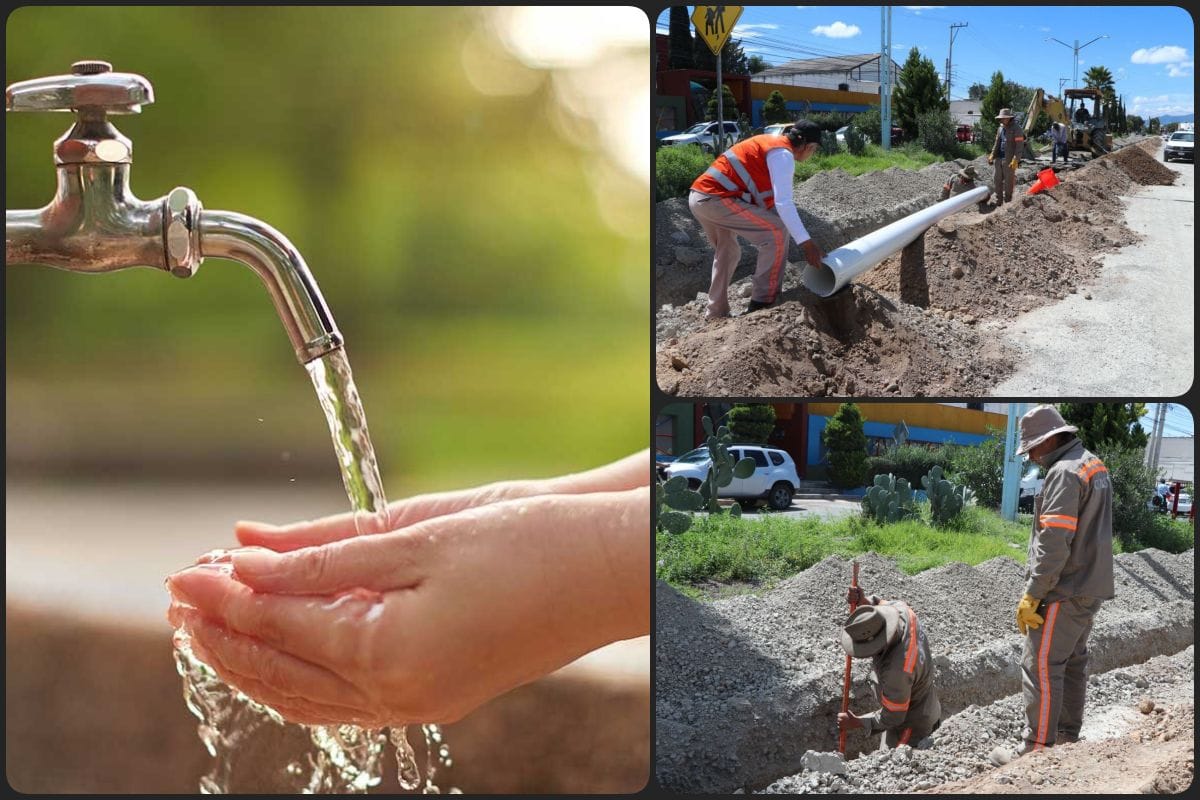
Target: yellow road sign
[[715, 23]]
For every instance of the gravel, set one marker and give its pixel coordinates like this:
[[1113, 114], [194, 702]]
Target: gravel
[[964, 745], [746, 685]]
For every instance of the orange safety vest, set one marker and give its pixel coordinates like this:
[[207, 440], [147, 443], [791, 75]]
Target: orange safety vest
[[741, 171]]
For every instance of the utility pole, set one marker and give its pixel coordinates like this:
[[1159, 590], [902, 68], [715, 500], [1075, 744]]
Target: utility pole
[[1061, 81], [1155, 447], [950, 56], [1012, 462], [885, 82], [1076, 48]]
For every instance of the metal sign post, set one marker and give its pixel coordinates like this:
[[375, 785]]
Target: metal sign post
[[1012, 462], [714, 24]]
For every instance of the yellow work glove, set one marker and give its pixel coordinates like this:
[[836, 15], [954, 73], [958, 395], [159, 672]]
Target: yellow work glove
[[1013, 164], [1027, 616]]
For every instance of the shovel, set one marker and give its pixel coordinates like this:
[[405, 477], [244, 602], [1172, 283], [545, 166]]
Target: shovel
[[849, 662]]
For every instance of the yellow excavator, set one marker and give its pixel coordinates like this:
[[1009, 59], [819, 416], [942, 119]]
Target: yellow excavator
[[1087, 130]]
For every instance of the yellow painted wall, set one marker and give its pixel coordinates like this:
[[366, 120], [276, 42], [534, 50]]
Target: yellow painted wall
[[922, 415]]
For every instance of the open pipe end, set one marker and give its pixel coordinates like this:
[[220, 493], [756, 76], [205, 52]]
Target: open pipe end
[[823, 281]]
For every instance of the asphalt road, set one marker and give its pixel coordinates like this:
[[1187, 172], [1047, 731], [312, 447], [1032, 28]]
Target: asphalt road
[[1136, 336], [806, 508]]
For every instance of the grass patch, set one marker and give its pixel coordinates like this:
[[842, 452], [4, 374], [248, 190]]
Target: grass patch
[[1164, 533], [727, 550]]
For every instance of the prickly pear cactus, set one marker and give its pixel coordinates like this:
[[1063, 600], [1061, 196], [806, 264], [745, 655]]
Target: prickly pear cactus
[[946, 500], [674, 500], [890, 499]]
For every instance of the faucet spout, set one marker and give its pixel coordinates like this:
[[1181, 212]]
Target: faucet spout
[[266, 251]]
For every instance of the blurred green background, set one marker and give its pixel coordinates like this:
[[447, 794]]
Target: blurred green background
[[474, 216]]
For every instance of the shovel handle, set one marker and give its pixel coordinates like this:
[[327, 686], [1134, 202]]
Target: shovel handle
[[849, 663]]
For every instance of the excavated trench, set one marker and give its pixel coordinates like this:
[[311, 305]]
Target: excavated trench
[[982, 270], [745, 686]]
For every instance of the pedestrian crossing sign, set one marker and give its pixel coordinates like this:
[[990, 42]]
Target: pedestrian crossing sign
[[715, 23]]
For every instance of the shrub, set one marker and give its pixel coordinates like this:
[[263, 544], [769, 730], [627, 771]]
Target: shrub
[[1133, 482], [751, 422], [675, 168], [775, 108], [856, 143], [829, 144], [935, 132], [868, 123], [981, 467], [847, 445], [829, 120], [909, 461]]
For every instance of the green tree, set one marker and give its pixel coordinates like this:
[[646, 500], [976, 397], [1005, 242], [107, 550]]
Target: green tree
[[1111, 425], [1155, 125], [729, 106], [679, 40], [775, 108], [936, 132], [1100, 77], [733, 58], [847, 444], [976, 91], [999, 95], [918, 91], [756, 64], [751, 423], [1135, 123]]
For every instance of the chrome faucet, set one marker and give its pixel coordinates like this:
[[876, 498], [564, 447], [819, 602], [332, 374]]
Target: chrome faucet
[[95, 224]]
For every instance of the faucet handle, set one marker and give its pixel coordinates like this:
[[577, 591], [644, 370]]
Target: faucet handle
[[92, 85]]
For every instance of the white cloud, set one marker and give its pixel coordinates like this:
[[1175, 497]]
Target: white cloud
[[1183, 70], [755, 30], [1163, 54], [1162, 105], [838, 30], [1044, 29], [918, 9]]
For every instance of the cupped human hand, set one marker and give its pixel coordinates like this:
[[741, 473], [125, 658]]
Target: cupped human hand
[[427, 622]]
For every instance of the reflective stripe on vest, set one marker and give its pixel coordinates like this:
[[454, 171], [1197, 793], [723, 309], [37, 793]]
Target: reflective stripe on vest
[[741, 171]]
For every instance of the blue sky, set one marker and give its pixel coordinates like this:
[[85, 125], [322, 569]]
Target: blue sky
[[1179, 420], [1150, 49]]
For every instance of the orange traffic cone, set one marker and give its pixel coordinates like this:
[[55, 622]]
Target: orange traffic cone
[[1046, 179]]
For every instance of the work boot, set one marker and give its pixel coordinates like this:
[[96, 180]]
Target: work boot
[[1029, 747], [1068, 738], [755, 305]]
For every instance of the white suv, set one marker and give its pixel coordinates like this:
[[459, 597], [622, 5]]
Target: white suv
[[705, 135], [774, 479], [1180, 145]]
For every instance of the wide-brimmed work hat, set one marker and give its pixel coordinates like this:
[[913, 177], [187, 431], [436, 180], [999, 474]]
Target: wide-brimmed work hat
[[869, 630], [1005, 113], [968, 172], [1040, 424]]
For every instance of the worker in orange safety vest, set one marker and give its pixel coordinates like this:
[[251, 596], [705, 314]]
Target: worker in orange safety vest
[[747, 192]]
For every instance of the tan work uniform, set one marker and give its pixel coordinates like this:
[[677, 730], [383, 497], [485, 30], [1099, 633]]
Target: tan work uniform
[[956, 185], [1010, 141], [902, 678], [1070, 570]]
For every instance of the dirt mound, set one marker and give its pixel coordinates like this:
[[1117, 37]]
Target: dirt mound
[[980, 268], [1138, 164]]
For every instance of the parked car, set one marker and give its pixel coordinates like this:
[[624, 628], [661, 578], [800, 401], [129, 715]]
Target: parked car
[[1031, 485], [1180, 145], [840, 133], [1165, 503], [774, 479], [703, 134]]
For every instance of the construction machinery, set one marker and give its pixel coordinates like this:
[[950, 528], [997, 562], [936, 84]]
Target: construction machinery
[[1087, 130]]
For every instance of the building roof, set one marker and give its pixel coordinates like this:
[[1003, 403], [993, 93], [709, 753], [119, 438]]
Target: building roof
[[966, 112], [811, 66]]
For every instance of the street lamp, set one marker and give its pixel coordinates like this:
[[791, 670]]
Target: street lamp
[[1076, 48]]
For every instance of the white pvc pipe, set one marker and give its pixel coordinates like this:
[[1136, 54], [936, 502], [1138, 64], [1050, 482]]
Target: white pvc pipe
[[848, 262]]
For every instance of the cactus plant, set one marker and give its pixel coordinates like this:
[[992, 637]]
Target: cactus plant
[[673, 499], [890, 499], [946, 500]]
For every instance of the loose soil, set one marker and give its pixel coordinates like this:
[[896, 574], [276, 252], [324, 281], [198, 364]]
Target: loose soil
[[980, 266]]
